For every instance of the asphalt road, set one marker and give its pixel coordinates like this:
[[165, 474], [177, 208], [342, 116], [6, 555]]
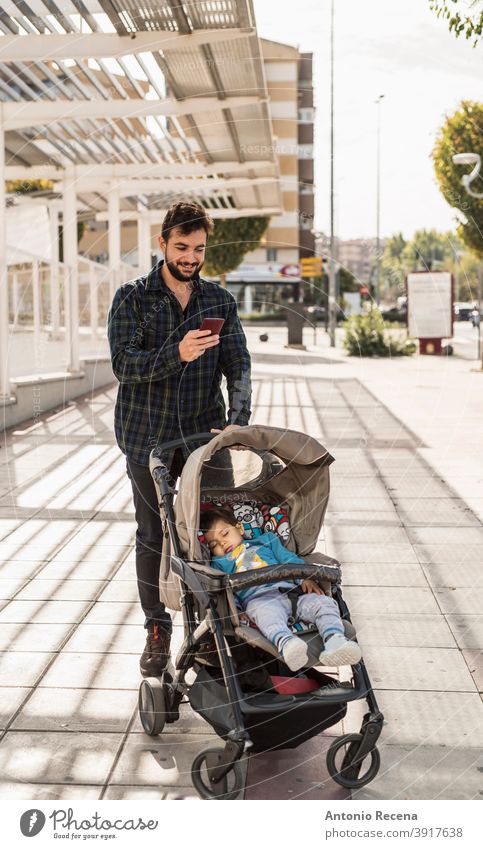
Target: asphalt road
[[465, 340]]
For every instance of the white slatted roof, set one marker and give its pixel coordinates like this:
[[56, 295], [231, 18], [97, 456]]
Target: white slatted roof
[[165, 91]]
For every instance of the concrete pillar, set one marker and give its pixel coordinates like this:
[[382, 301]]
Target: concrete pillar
[[4, 325], [54, 271], [248, 298], [144, 243], [114, 236], [15, 299], [93, 301], [36, 308], [71, 279]]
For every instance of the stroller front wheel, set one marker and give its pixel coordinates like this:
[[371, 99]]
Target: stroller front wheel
[[346, 772], [228, 788], [152, 706]]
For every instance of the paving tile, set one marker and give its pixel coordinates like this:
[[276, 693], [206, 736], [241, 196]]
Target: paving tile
[[467, 630], [32, 637], [120, 591], [67, 709], [44, 611], [450, 553], [381, 600], [398, 629], [118, 639], [425, 772], [60, 590], [19, 669], [10, 586], [84, 570], [427, 718], [10, 700], [107, 554], [451, 575], [386, 517], [25, 553], [462, 536], [383, 574], [380, 553], [163, 761], [415, 668], [115, 612], [460, 599], [474, 661], [293, 773], [106, 531], [375, 534], [20, 568], [23, 790], [399, 486], [60, 757], [97, 671], [144, 794], [436, 511]]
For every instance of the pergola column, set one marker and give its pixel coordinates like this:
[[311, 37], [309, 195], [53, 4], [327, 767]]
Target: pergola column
[[4, 326], [71, 272], [114, 235], [93, 300], [144, 243], [54, 271]]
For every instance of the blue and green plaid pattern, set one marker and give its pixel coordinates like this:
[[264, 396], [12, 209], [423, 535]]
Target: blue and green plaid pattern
[[161, 398]]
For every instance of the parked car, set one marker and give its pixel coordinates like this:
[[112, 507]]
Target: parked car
[[462, 310]]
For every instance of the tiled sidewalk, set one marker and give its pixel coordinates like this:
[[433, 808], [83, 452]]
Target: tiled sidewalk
[[70, 624]]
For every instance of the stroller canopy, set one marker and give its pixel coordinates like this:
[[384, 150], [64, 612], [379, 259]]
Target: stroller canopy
[[293, 471]]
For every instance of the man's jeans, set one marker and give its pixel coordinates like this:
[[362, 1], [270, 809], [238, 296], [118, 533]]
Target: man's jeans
[[149, 539]]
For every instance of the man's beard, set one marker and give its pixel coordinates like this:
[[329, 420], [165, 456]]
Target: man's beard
[[183, 276]]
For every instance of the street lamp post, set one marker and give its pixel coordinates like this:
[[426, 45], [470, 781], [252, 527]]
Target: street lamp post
[[378, 203], [332, 302]]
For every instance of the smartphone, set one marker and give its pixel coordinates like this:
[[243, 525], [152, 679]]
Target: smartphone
[[213, 324]]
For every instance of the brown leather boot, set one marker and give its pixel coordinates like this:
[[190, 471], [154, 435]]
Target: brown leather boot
[[156, 652]]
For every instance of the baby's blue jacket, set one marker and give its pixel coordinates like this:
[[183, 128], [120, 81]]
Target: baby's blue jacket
[[265, 550]]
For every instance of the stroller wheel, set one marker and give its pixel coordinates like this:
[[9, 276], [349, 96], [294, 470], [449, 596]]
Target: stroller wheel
[[343, 767], [229, 786], [152, 706]]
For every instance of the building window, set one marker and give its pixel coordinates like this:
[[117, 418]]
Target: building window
[[271, 254]]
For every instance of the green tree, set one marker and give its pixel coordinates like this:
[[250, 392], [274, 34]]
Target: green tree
[[392, 265], [231, 240], [460, 21], [462, 133]]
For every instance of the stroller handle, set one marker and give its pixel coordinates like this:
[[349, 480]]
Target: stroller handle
[[202, 438]]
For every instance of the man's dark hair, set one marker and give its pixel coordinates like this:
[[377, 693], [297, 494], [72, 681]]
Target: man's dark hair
[[214, 514], [188, 217]]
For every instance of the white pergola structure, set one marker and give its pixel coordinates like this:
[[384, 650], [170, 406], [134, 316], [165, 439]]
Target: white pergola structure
[[128, 107]]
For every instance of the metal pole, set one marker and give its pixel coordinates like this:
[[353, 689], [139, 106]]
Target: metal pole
[[144, 242], [94, 306], [114, 235], [71, 272], [378, 203], [332, 316], [4, 325], [15, 300], [36, 309], [54, 271]]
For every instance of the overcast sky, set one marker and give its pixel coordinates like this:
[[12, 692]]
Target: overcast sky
[[393, 47]]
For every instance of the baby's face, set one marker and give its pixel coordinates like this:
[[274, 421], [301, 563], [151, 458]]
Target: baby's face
[[223, 538]]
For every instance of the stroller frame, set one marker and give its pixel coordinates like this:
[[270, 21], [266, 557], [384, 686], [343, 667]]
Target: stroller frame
[[160, 698]]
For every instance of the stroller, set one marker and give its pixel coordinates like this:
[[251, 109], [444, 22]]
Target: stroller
[[272, 479]]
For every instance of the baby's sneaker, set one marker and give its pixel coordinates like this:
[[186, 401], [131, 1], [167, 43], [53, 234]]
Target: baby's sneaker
[[340, 652], [294, 653]]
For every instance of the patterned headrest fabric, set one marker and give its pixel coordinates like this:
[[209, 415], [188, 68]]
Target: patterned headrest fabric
[[257, 519]]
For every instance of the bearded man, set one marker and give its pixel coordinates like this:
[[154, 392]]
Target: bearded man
[[170, 373]]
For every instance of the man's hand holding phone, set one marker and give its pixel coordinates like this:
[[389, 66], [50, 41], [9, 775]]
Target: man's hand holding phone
[[196, 342]]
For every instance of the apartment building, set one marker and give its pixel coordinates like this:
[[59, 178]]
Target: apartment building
[[289, 236]]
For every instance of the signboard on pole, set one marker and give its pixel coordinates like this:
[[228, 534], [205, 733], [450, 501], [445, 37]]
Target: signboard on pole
[[430, 308]]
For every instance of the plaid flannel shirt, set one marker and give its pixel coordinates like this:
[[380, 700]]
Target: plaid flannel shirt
[[159, 397]]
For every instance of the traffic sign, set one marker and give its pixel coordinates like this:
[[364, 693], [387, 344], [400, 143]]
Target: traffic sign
[[311, 266]]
